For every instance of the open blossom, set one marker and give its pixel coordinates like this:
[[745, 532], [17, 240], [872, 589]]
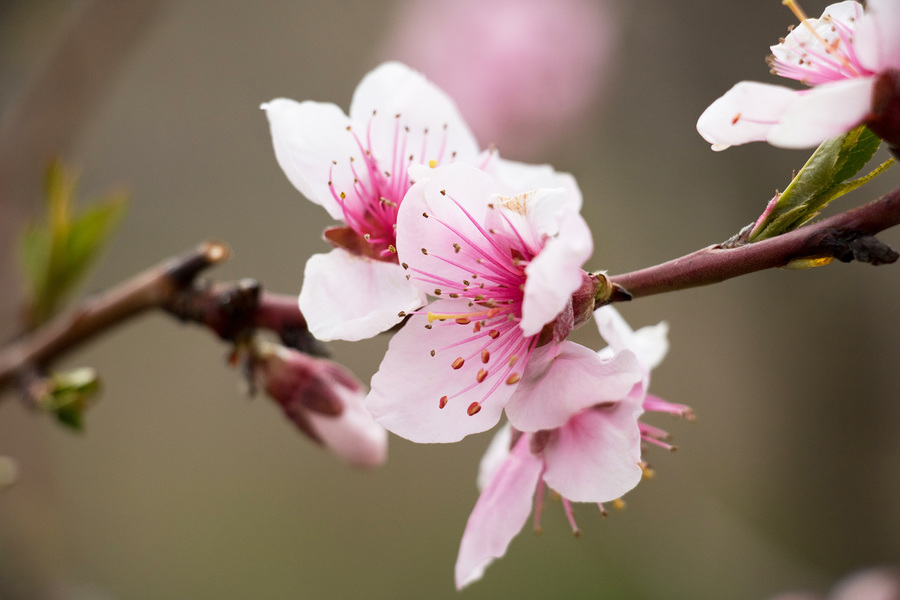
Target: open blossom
[[357, 168], [594, 457], [849, 57], [324, 400], [506, 272]]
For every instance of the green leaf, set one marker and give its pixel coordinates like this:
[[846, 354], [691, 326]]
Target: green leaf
[[68, 395], [58, 253], [823, 178]]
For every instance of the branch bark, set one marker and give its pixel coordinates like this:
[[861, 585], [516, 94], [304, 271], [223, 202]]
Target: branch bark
[[845, 237], [232, 311]]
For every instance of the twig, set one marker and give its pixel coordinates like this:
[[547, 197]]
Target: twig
[[232, 311], [845, 237]]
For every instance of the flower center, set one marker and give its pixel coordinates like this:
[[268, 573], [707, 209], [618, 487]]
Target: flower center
[[379, 185], [489, 294]]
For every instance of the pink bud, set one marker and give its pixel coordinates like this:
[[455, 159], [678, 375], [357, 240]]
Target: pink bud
[[324, 400]]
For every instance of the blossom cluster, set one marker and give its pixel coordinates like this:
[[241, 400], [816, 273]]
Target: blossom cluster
[[481, 261]]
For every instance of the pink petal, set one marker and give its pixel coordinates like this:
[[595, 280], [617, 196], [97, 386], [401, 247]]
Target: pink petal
[[395, 89], [501, 510], [349, 297], [744, 114], [650, 344], [353, 435], [823, 112], [563, 379], [449, 225], [307, 137], [877, 43], [555, 273], [409, 384], [594, 457]]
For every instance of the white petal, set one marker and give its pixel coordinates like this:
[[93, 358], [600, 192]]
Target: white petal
[[307, 137], [877, 40], [515, 177], [494, 456], [394, 89], [650, 344], [348, 297], [823, 112], [555, 273], [499, 514], [595, 456], [561, 380], [744, 114], [410, 382]]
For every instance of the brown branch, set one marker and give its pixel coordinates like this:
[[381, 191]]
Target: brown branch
[[232, 311], [845, 237]]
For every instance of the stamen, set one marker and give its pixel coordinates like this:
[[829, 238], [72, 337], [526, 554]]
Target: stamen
[[570, 515]]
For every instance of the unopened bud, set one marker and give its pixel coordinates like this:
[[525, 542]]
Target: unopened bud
[[324, 400]]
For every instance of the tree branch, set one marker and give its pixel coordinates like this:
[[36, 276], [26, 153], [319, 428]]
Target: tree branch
[[232, 311], [845, 237]]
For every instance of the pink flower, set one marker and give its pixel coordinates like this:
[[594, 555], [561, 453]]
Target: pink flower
[[507, 274], [356, 168], [594, 457], [843, 55], [324, 400]]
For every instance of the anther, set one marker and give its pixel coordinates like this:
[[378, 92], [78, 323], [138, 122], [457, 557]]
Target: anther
[[402, 313], [404, 265], [481, 375], [424, 251], [736, 118], [454, 295], [432, 163], [432, 353], [513, 359], [392, 249], [456, 248], [485, 356], [512, 379], [425, 214], [477, 327], [437, 291], [458, 363], [443, 402], [443, 192], [494, 334], [463, 320], [343, 196], [428, 326], [473, 409]]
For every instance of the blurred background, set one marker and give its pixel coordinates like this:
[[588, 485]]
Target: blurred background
[[181, 487]]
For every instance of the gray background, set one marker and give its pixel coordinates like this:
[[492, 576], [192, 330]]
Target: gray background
[[182, 488]]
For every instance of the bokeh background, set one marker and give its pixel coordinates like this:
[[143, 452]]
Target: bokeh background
[[181, 487]]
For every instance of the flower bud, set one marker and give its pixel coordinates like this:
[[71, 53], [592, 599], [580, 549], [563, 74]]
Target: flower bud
[[324, 400]]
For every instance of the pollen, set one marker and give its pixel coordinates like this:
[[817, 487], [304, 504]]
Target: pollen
[[458, 363], [432, 163], [473, 409]]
